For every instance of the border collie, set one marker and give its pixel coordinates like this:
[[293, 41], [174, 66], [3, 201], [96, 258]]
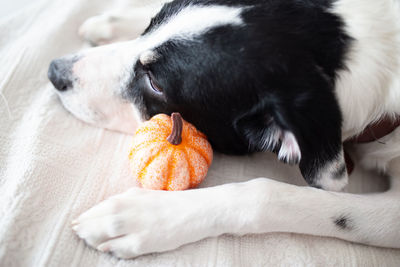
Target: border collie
[[295, 77]]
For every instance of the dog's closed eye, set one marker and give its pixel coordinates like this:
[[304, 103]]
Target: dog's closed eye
[[152, 83]]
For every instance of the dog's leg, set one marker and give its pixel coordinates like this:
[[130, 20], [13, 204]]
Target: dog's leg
[[378, 154], [142, 221], [118, 25]]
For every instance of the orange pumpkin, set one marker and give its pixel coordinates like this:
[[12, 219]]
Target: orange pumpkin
[[169, 154]]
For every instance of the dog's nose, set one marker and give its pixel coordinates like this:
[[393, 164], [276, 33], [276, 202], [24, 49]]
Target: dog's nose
[[59, 74]]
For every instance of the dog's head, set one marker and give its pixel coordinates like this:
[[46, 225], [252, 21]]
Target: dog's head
[[251, 77]]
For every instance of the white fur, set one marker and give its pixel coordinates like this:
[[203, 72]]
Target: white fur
[[97, 96], [369, 85], [328, 178], [192, 21], [271, 138], [131, 224], [148, 57], [290, 150]]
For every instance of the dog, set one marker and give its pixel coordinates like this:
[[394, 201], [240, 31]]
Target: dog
[[295, 77]]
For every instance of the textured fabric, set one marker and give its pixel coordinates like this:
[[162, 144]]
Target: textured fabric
[[53, 167]]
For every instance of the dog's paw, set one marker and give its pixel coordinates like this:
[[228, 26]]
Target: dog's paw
[[142, 221], [101, 29]]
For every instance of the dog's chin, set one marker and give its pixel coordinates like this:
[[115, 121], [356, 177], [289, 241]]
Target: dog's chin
[[122, 127], [125, 127], [126, 120]]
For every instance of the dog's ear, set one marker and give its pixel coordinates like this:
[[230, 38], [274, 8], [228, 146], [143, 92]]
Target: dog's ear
[[264, 131], [301, 121]]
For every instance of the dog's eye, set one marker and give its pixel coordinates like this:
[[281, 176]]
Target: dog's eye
[[153, 84]]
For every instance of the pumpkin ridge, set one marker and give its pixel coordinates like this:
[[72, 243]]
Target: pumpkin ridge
[[191, 170], [200, 151], [144, 144], [169, 178], [151, 159]]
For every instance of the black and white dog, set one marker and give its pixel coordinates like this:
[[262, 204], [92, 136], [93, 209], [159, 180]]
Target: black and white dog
[[296, 77]]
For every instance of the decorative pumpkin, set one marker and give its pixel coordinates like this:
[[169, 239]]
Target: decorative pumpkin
[[169, 154]]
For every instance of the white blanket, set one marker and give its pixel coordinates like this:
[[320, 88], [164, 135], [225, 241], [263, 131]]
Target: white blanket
[[53, 167]]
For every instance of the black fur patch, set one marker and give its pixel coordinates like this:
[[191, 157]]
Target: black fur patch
[[232, 81], [342, 222]]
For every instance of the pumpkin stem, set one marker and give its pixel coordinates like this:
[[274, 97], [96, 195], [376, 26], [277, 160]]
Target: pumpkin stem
[[175, 137]]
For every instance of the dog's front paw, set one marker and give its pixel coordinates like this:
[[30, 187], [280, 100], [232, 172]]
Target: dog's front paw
[[142, 221], [101, 29]]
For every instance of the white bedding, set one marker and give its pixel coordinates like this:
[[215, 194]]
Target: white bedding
[[53, 167]]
